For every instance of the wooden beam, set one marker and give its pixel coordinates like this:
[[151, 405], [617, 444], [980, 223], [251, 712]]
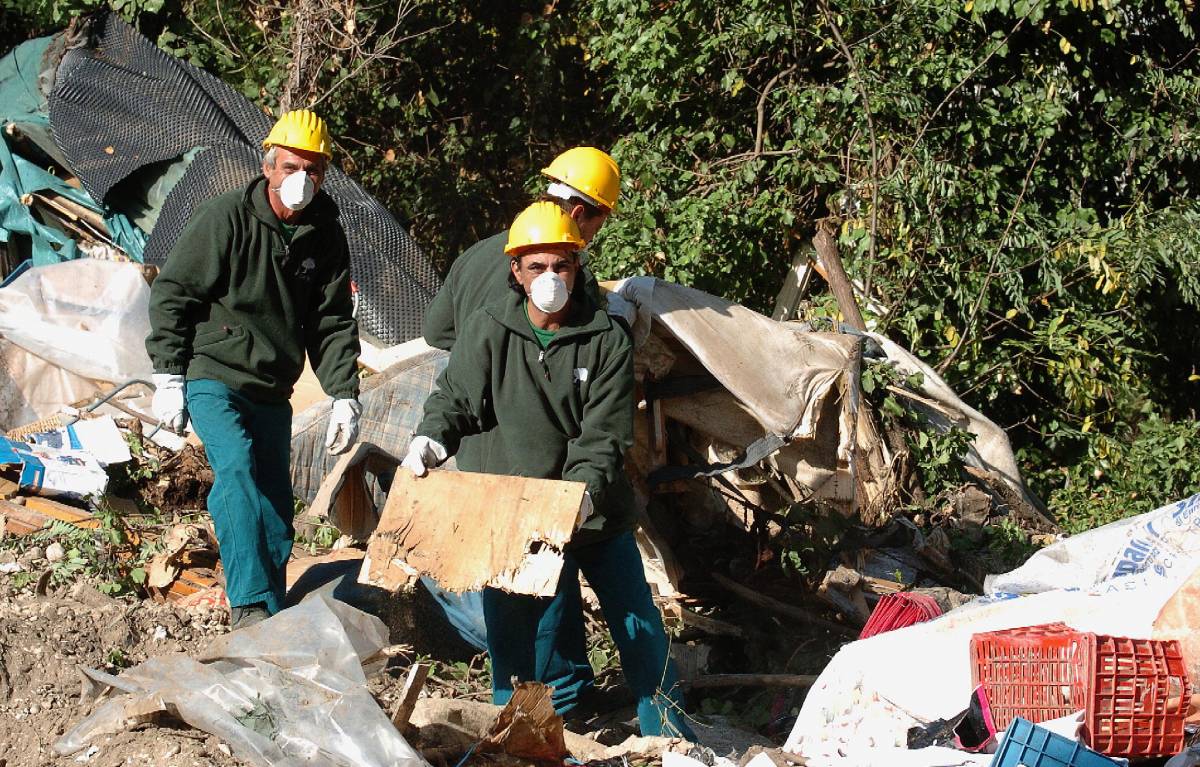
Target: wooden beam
[[839, 283], [750, 680], [780, 608]]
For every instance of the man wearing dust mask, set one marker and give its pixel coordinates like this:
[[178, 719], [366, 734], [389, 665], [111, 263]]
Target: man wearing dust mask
[[545, 377], [259, 278]]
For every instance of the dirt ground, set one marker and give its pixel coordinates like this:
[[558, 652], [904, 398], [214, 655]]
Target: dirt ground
[[44, 640]]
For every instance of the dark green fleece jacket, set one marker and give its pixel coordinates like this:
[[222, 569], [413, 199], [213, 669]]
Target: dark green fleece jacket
[[238, 303], [565, 413], [477, 278]]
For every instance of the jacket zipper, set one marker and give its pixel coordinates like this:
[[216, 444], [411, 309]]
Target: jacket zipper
[[542, 361]]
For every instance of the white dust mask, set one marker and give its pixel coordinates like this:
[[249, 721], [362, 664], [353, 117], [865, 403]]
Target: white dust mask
[[548, 292], [297, 190]]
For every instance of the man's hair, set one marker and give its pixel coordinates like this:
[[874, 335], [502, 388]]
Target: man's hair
[[589, 210], [268, 159]]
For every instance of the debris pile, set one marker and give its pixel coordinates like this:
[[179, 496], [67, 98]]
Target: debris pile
[[821, 520]]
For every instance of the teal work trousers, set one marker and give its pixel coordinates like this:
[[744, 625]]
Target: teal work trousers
[[543, 639], [248, 445]]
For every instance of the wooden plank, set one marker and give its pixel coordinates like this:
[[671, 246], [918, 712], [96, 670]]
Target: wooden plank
[[470, 530], [413, 684], [19, 520], [780, 608], [62, 512]]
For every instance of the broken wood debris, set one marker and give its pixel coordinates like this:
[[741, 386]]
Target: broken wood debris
[[470, 530]]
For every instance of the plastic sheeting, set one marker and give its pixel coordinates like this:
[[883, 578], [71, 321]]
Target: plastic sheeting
[[781, 374], [288, 692], [88, 317], [991, 449], [860, 709], [23, 76]]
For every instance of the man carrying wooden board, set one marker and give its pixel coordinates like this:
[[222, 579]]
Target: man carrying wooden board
[[546, 378]]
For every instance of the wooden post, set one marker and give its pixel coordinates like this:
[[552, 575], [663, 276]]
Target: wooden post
[[839, 283], [409, 694]]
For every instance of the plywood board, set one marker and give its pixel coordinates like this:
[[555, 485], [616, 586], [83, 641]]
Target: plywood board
[[469, 530]]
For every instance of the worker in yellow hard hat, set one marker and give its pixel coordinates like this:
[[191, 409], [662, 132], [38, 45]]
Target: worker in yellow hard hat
[[543, 378], [259, 278], [585, 182]]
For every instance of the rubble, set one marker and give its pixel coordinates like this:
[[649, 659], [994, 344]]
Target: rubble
[[779, 516]]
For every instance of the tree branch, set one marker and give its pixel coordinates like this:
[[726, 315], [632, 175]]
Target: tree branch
[[991, 272], [762, 105], [862, 92]]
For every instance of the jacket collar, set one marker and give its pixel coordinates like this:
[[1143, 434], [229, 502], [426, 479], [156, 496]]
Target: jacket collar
[[254, 197], [586, 317]]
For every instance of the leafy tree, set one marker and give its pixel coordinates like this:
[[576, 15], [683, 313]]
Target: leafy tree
[[1011, 179]]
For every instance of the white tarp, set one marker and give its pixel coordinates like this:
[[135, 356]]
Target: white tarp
[[874, 690], [87, 316], [780, 373], [1162, 542]]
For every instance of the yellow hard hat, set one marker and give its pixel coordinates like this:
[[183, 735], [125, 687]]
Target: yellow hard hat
[[300, 129], [542, 223], [589, 170]]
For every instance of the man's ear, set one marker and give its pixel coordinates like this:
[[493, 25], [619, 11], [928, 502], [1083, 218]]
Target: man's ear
[[514, 266], [577, 213]]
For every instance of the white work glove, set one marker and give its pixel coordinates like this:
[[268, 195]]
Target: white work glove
[[343, 425], [586, 510], [169, 404], [637, 292], [423, 455]]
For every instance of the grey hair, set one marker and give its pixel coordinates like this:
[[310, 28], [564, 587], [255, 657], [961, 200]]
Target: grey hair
[[269, 157]]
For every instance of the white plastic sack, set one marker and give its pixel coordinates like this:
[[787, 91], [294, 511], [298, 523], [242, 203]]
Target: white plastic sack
[[86, 316], [1158, 542], [287, 692]]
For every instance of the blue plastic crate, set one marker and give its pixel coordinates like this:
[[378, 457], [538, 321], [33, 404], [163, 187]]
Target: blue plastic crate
[[1032, 746]]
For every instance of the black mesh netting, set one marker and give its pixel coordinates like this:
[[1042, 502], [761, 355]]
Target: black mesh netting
[[119, 103]]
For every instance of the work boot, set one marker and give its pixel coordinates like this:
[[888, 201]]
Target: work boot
[[247, 615]]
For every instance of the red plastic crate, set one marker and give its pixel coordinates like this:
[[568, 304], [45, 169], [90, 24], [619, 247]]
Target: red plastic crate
[[895, 611], [1133, 691]]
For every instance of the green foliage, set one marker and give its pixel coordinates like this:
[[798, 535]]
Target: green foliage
[[110, 553], [1120, 478], [1012, 179]]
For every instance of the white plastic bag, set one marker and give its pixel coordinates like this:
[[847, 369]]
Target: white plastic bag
[[86, 316], [287, 692]]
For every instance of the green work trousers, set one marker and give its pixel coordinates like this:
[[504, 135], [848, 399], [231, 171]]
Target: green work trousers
[[248, 445], [539, 639]]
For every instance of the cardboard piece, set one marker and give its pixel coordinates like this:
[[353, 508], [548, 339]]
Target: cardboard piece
[[469, 530], [98, 436], [43, 470], [527, 727]]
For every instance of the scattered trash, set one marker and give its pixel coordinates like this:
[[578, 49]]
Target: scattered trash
[[41, 470], [98, 436], [527, 726], [290, 690]]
